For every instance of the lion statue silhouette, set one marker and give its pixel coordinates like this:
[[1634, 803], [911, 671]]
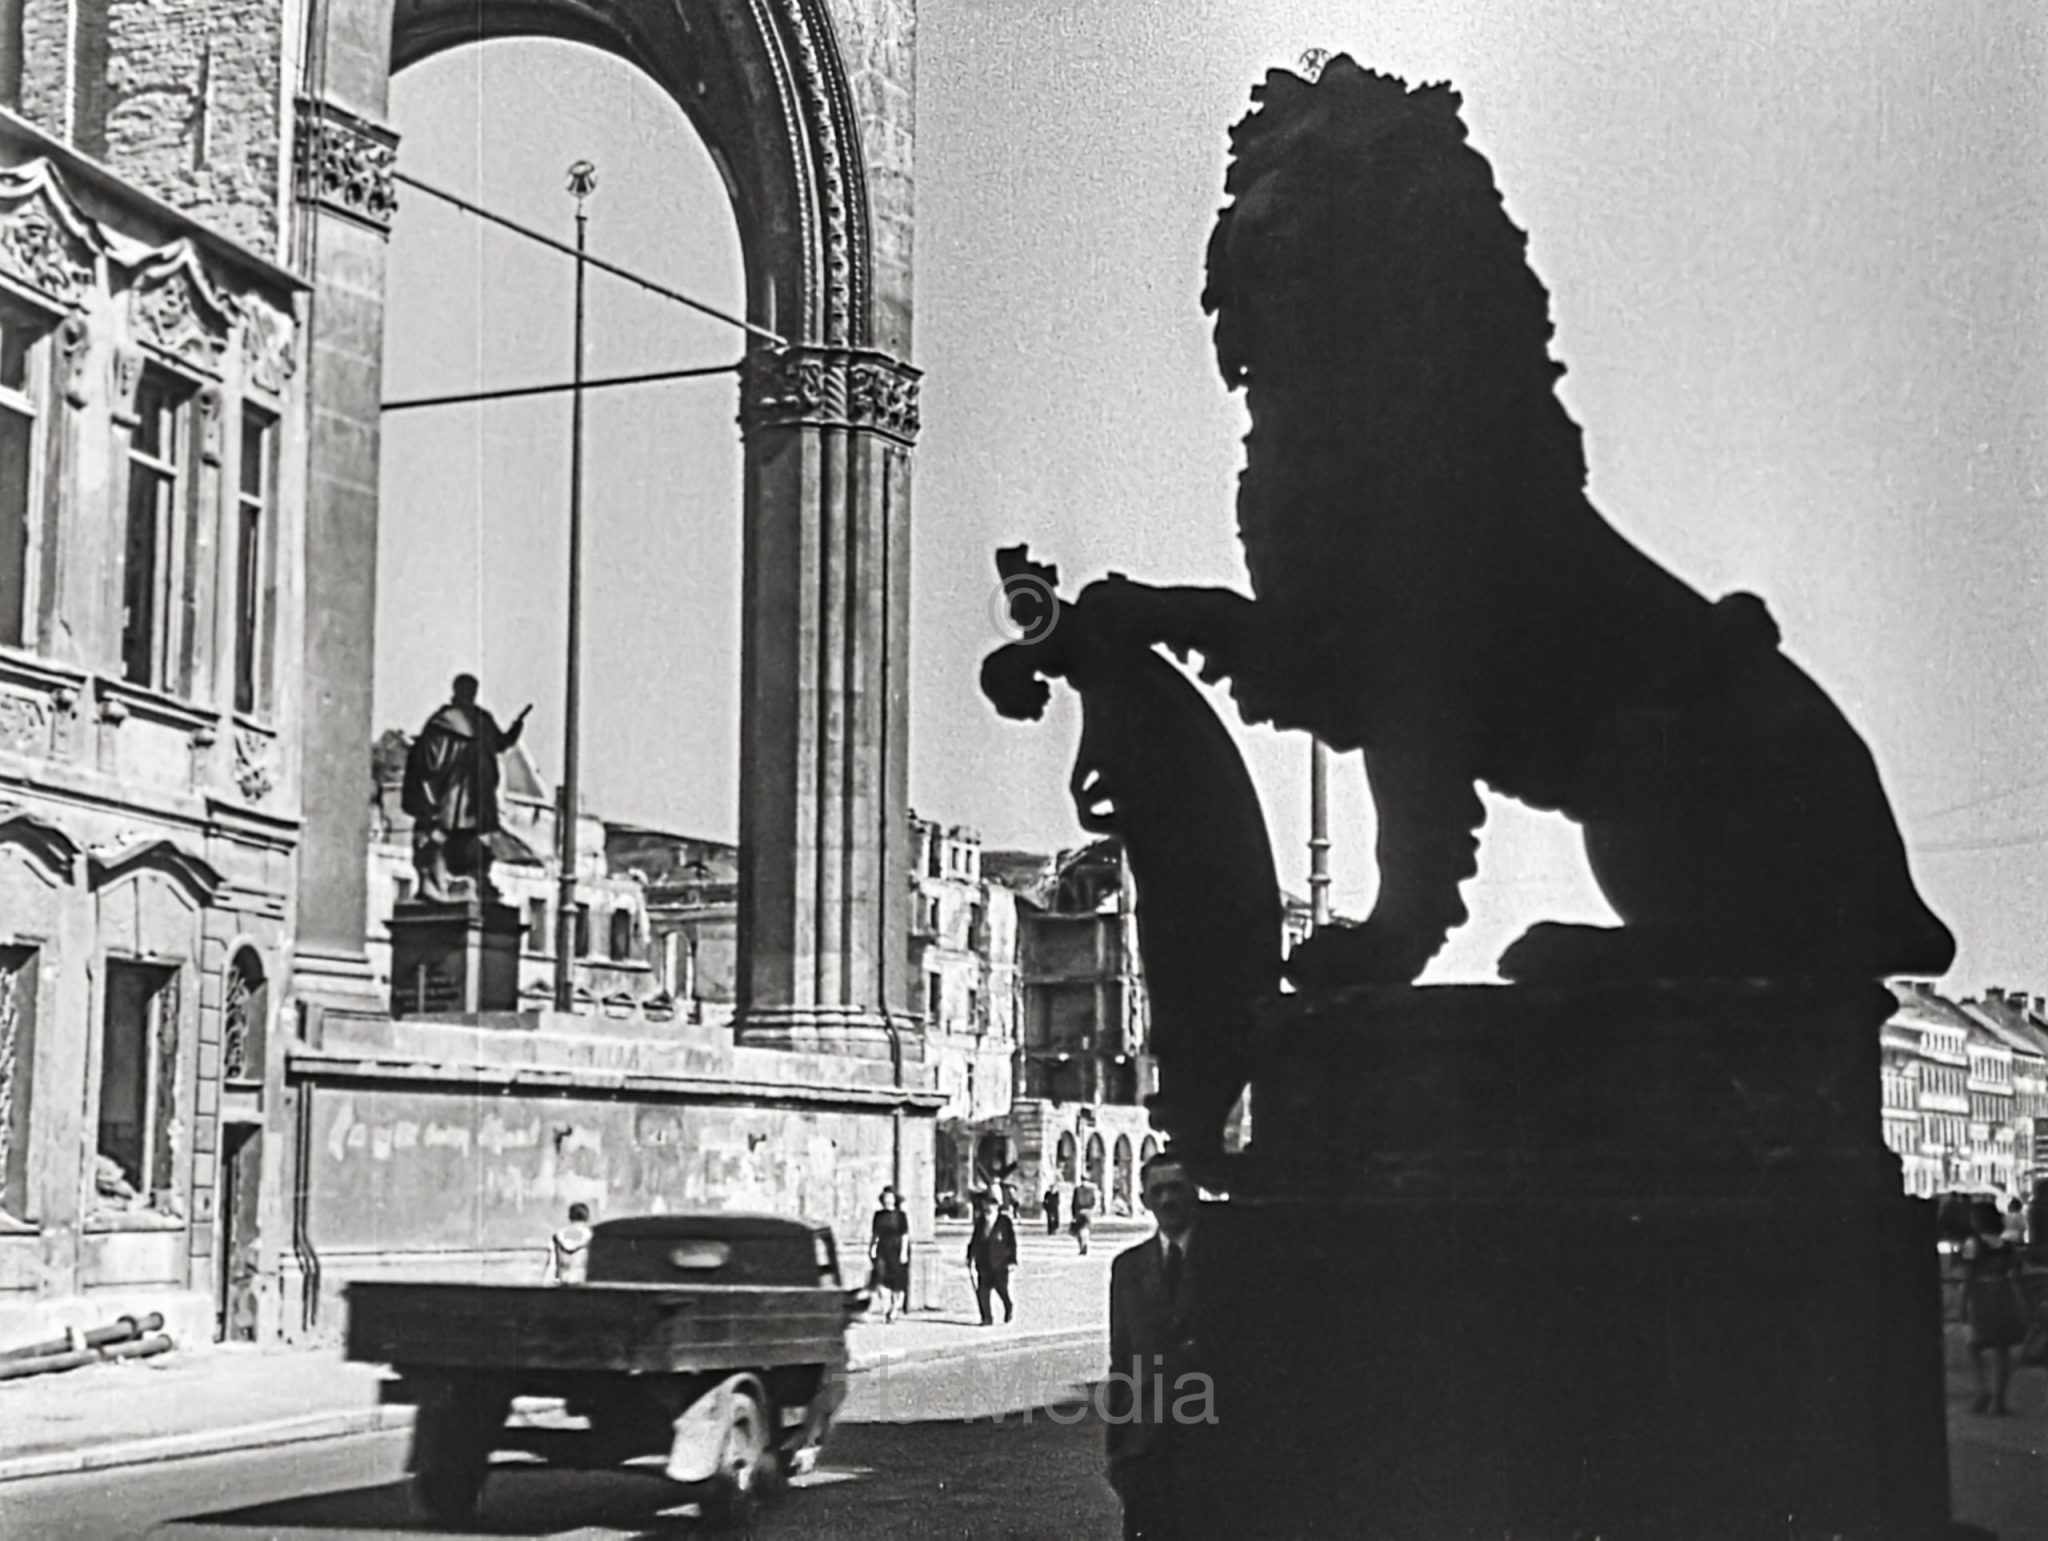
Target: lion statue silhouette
[[1433, 589]]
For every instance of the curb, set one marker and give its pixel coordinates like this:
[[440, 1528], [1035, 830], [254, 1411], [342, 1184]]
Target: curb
[[383, 1419], [180, 1447], [968, 1348]]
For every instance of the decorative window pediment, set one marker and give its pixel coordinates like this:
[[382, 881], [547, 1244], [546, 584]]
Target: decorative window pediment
[[175, 308], [46, 244], [43, 841], [164, 856]]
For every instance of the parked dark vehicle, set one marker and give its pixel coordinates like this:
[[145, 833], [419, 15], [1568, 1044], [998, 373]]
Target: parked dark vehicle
[[715, 1341]]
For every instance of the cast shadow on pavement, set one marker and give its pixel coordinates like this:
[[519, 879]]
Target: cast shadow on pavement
[[944, 1477]]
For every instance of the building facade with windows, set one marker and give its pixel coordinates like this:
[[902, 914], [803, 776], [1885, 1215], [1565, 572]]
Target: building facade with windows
[[691, 889], [964, 953], [1084, 1031], [151, 462], [1977, 1072], [2018, 1026]]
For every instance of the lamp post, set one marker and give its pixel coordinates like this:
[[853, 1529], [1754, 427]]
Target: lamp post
[[582, 183], [1318, 835]]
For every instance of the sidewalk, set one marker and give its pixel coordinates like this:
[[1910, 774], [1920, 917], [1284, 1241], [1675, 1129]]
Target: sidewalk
[[234, 1397], [1998, 1467]]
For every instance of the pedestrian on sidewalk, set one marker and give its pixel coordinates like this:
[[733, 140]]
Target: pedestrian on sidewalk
[[569, 1248], [1084, 1214], [1992, 1301], [991, 1254], [1052, 1209], [1152, 1344], [889, 1253]]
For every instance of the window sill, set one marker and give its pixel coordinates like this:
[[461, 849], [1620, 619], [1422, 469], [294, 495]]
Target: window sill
[[140, 1220], [154, 705], [9, 1226]]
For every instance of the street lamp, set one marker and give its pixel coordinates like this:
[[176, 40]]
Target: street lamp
[[582, 183], [1318, 835]]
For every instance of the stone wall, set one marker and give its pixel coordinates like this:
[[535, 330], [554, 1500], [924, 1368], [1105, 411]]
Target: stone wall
[[878, 42], [453, 1148], [183, 99]]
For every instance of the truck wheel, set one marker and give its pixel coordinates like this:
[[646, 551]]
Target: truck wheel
[[452, 1440], [746, 1472]]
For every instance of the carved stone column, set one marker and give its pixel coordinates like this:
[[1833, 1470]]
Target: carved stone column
[[824, 750], [346, 200]]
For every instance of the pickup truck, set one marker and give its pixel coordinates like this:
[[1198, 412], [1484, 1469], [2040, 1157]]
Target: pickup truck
[[716, 1341]]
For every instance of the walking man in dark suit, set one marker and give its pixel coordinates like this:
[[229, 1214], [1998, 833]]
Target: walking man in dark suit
[[991, 1254], [1152, 1353]]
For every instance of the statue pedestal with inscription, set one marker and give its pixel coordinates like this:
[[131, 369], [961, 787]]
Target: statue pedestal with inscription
[[1553, 1262], [455, 957]]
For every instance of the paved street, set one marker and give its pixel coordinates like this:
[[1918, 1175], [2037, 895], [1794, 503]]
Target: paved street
[[919, 1452], [906, 1462]]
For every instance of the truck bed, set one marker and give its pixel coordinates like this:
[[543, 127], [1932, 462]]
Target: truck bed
[[637, 1328]]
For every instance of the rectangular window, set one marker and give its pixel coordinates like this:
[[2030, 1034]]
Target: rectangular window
[[582, 930], [17, 1051], [138, 1089], [158, 496], [934, 998], [255, 561], [538, 937], [21, 356]]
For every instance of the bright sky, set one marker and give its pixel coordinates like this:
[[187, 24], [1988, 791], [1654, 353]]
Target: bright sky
[[1796, 254]]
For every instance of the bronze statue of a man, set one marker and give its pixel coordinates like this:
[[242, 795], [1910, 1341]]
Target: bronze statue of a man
[[451, 792]]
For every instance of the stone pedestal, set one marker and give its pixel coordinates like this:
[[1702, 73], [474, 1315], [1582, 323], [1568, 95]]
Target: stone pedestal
[[460, 957], [1547, 1263]]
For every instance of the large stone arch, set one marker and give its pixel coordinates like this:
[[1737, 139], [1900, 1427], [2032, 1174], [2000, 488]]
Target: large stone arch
[[806, 108], [765, 87]]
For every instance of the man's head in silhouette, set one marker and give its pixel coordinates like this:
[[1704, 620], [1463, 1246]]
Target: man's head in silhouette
[[465, 689]]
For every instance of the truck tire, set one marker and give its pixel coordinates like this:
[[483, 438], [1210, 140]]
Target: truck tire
[[747, 1471], [452, 1439]]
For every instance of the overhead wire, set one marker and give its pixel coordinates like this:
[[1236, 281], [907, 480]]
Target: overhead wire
[[775, 339]]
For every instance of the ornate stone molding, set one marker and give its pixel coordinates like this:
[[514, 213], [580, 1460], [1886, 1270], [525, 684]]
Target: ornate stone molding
[[255, 765], [174, 307], [74, 349], [269, 355], [829, 388], [46, 244], [345, 164], [210, 428], [827, 113], [26, 722]]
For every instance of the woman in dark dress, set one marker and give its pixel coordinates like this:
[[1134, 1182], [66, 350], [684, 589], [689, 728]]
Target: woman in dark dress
[[1991, 1295], [889, 1252]]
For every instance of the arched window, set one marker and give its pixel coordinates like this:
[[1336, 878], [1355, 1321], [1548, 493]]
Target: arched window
[[1098, 1160], [1120, 1175], [245, 1013], [622, 934], [1066, 1158]]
